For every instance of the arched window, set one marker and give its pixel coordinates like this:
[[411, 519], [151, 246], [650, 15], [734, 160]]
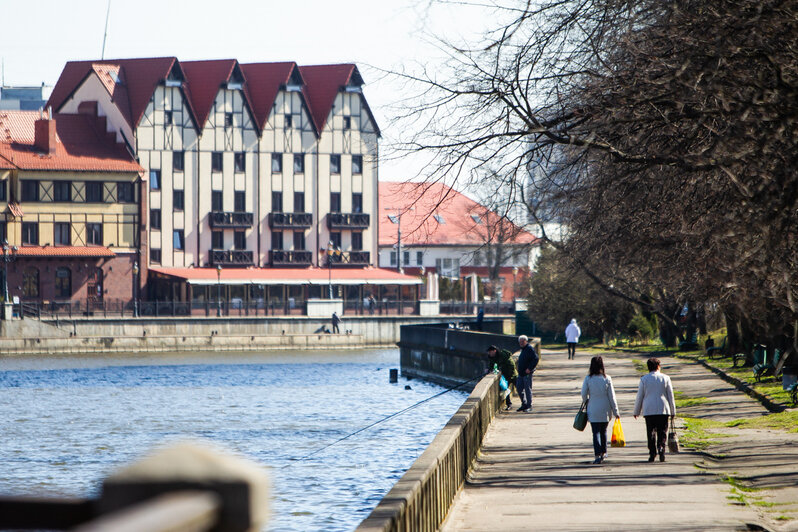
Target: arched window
[[30, 282], [63, 283]]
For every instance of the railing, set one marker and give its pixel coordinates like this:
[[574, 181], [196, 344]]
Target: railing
[[468, 307], [231, 257], [347, 220], [353, 258], [290, 220], [227, 220], [281, 257]]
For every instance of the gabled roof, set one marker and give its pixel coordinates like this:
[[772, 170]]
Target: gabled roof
[[322, 85], [80, 146], [140, 76], [433, 214], [204, 79], [264, 81]]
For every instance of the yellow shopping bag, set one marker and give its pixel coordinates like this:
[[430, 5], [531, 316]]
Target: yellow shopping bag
[[618, 439]]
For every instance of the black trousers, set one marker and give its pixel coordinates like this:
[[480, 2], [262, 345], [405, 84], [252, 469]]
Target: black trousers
[[657, 432], [599, 437]]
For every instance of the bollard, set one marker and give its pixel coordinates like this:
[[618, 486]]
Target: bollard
[[394, 375]]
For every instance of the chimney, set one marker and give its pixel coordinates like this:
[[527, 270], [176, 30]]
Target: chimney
[[44, 133]]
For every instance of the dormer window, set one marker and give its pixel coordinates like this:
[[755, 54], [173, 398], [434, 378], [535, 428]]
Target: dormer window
[[293, 88], [167, 118], [228, 120], [439, 219], [115, 77], [393, 218], [347, 122], [353, 88], [234, 85], [476, 218], [289, 121]]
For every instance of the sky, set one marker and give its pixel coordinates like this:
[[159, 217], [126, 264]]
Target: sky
[[39, 36]]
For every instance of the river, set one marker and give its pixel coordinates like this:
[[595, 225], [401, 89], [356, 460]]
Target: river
[[67, 422]]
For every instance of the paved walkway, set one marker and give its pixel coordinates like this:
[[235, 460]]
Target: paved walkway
[[536, 471]]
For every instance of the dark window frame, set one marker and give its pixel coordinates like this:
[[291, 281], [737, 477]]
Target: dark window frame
[[335, 163], [299, 163], [30, 190], [125, 192], [155, 255], [30, 229], [239, 240], [228, 119], [94, 229], [277, 163], [155, 179], [217, 161], [240, 201], [168, 118], [335, 238], [217, 239], [61, 230], [347, 122], [62, 191], [178, 161], [63, 283], [277, 200], [96, 195], [277, 238], [4, 190], [240, 160], [178, 240], [335, 202], [357, 241], [31, 279], [357, 165], [299, 241], [178, 200], [155, 219], [299, 201], [217, 201], [357, 202]]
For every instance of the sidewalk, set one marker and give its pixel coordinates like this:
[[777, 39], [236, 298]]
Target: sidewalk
[[536, 471]]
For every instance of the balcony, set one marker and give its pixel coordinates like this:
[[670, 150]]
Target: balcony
[[230, 257], [231, 220], [281, 257], [290, 220], [351, 258], [347, 220]]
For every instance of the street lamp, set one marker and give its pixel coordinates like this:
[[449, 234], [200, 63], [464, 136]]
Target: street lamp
[[135, 289], [515, 273], [398, 223], [218, 290], [9, 255]]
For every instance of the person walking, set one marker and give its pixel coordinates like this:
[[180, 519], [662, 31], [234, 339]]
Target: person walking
[[572, 334], [527, 362], [655, 401], [335, 321], [599, 393], [503, 360]]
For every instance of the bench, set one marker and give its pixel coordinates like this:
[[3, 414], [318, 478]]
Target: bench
[[712, 351], [762, 367], [793, 391]]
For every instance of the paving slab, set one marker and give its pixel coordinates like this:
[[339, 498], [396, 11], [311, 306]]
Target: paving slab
[[535, 471]]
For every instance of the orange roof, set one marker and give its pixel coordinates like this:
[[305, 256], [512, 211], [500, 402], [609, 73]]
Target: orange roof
[[437, 215], [79, 147], [64, 251], [294, 276]]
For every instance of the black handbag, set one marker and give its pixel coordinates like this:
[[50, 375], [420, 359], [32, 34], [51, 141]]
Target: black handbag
[[580, 421], [673, 439]]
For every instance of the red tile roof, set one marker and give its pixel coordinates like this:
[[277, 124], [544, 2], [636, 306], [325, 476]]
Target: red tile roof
[[264, 81], [203, 79], [420, 203], [64, 251], [312, 275], [322, 85], [141, 76], [80, 146]]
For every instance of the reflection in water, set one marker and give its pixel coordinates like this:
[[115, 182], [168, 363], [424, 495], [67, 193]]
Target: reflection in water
[[67, 422]]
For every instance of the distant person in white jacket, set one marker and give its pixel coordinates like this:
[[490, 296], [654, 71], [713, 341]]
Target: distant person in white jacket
[[597, 390], [655, 401], [572, 333]]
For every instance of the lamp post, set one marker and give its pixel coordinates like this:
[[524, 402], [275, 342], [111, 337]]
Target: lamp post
[[136, 289], [423, 282], [398, 223], [218, 290], [515, 273], [9, 255]]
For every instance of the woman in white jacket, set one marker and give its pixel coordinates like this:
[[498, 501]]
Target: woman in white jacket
[[597, 390], [655, 401]]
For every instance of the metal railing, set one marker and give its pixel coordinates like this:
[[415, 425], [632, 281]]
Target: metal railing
[[224, 220], [231, 257], [467, 307], [358, 258], [347, 220], [290, 220], [280, 257]]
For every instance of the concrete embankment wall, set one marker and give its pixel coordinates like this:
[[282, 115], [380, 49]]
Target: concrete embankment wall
[[420, 500], [103, 335]]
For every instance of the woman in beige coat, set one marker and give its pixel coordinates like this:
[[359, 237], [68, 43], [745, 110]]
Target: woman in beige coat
[[597, 390]]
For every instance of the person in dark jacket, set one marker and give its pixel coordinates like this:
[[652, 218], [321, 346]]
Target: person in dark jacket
[[527, 362], [503, 360]]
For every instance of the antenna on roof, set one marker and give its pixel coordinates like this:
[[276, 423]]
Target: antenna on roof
[[105, 34]]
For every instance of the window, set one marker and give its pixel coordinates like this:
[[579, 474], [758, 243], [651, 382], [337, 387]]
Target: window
[[277, 201], [217, 203], [228, 120], [3, 190], [178, 161], [335, 202], [357, 241], [393, 258], [439, 219], [94, 192], [335, 164], [448, 267], [335, 238], [155, 218], [240, 161], [289, 121], [277, 163], [299, 240], [419, 257], [30, 233], [299, 163], [94, 234], [155, 256], [178, 200], [155, 180], [240, 202], [347, 122], [61, 234], [178, 240], [406, 258], [30, 282], [393, 218], [476, 218], [240, 240], [62, 190], [217, 240], [216, 161], [30, 190], [299, 202], [357, 164], [63, 283], [357, 202], [167, 118], [124, 193], [277, 240], [3, 232]]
